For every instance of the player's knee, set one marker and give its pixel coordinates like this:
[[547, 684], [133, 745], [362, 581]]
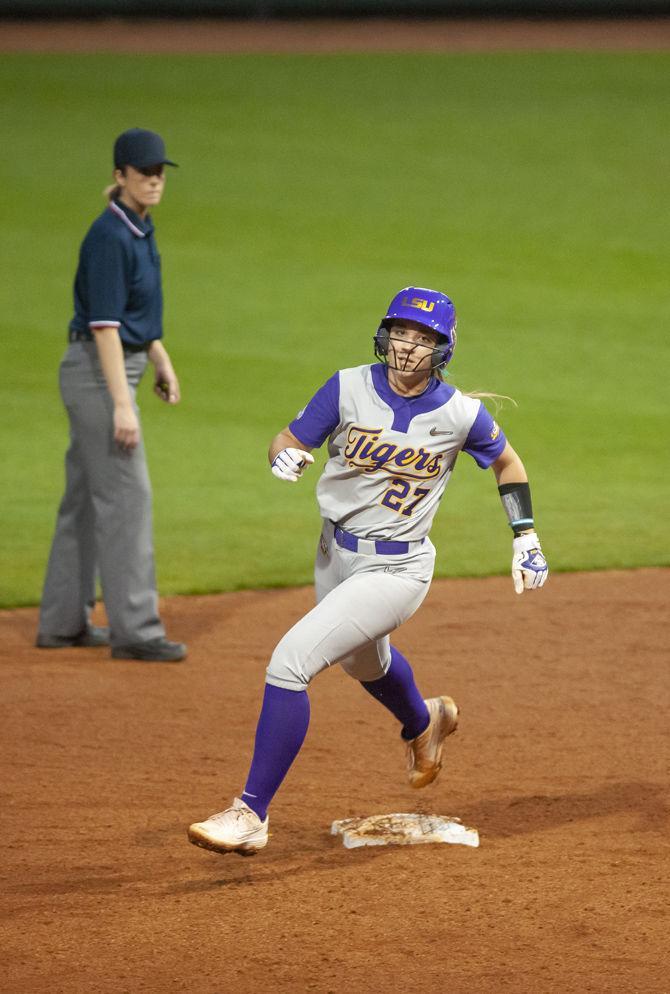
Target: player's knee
[[287, 667]]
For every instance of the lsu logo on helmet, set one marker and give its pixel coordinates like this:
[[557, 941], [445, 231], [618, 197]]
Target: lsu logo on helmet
[[423, 305]]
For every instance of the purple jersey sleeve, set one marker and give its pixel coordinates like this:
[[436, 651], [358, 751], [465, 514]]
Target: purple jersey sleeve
[[486, 439], [315, 422]]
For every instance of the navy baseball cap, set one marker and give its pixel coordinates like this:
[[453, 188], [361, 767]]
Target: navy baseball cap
[[140, 148]]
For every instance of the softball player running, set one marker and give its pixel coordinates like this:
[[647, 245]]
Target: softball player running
[[394, 430]]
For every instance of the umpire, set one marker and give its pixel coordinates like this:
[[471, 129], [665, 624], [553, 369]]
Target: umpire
[[104, 523]]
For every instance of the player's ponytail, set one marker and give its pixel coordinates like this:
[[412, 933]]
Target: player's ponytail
[[498, 399]]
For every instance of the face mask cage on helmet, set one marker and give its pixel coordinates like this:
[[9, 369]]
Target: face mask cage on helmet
[[439, 356], [430, 309]]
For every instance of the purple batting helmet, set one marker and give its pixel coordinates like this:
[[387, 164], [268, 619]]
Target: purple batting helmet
[[427, 307]]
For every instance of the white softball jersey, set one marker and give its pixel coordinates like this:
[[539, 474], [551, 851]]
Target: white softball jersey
[[391, 457]]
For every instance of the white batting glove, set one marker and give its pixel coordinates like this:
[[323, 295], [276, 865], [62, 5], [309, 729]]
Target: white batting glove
[[529, 567], [289, 464]]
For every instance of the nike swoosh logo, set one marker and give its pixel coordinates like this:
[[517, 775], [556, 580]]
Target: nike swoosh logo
[[435, 431]]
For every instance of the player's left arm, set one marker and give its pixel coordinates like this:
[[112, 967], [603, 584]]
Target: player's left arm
[[529, 567], [508, 467]]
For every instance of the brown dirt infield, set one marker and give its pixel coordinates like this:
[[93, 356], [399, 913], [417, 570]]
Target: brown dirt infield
[[330, 36], [561, 762]]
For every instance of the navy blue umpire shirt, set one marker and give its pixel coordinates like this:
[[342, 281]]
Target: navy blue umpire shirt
[[118, 281]]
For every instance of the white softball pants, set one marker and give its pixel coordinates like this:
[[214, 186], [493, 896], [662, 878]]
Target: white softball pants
[[361, 599]]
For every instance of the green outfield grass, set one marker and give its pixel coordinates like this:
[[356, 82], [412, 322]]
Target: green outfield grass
[[531, 187]]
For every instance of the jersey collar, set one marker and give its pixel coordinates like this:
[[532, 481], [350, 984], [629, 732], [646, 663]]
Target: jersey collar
[[405, 409], [140, 228]]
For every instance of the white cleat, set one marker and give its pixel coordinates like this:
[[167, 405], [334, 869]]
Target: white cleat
[[424, 753], [238, 829]]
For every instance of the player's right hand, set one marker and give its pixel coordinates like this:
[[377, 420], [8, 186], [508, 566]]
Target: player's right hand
[[289, 464]]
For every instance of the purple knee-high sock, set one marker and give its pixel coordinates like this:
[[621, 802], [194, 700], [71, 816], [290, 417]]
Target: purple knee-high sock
[[280, 732], [397, 691]]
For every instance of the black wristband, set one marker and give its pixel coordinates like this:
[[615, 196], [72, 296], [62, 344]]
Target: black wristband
[[516, 500]]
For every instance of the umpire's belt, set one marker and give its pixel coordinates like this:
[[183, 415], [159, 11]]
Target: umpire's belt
[[87, 336], [370, 547]]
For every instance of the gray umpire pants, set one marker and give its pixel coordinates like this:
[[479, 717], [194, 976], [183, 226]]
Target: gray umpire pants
[[104, 525], [361, 599]]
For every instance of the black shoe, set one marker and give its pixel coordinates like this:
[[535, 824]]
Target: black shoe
[[90, 638], [158, 650]]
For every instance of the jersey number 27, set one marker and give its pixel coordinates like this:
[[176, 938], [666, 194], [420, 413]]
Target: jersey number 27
[[399, 492]]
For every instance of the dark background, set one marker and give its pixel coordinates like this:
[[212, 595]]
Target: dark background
[[328, 8]]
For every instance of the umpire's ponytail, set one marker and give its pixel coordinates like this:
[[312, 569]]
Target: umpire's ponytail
[[113, 191]]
